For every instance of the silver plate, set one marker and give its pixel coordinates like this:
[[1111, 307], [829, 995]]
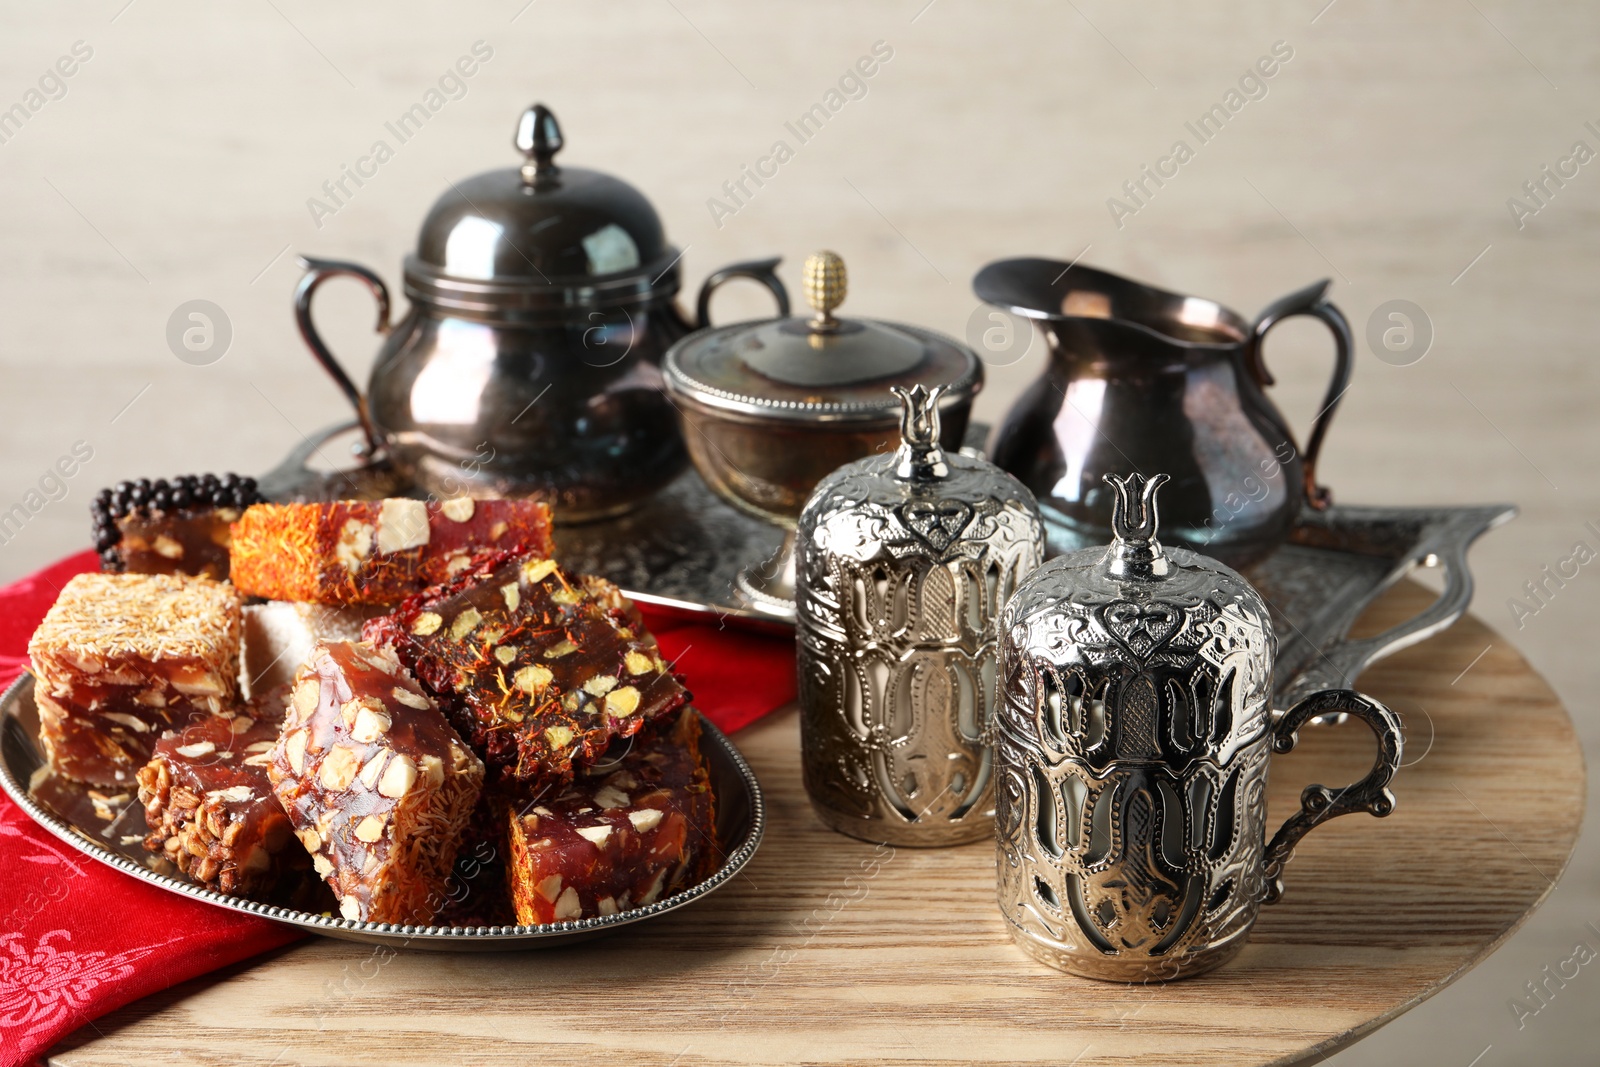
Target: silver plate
[[741, 818], [683, 548]]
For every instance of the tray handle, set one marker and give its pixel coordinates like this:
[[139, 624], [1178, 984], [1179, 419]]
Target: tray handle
[[1339, 666]]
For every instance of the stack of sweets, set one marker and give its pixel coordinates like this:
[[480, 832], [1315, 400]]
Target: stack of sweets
[[122, 657], [602, 793], [377, 785], [376, 552]]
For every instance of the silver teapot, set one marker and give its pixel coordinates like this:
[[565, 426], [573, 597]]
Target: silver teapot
[[542, 299]]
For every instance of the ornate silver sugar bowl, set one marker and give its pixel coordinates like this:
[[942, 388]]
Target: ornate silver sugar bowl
[[770, 408], [1132, 742], [904, 563]]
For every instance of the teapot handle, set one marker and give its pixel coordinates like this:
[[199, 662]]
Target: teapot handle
[[764, 271], [317, 272], [1312, 300], [1318, 803]]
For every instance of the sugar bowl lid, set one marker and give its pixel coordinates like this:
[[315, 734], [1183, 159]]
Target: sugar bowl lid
[[823, 368], [541, 235]]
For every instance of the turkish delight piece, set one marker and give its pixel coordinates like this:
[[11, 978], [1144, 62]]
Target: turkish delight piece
[[539, 671], [379, 551], [176, 527], [623, 834], [280, 634], [377, 785], [210, 805], [121, 658]]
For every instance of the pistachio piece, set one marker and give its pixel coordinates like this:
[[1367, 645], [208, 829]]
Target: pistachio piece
[[600, 685], [537, 570], [532, 679], [622, 702], [465, 623]]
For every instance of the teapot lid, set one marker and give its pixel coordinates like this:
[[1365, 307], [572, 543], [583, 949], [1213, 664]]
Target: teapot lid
[[823, 367], [541, 236]]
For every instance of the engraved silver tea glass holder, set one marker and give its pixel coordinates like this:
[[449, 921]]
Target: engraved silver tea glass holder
[[904, 563], [1132, 746]]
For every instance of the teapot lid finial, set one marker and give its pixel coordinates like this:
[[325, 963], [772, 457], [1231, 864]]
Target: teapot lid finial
[[919, 455], [539, 139], [1135, 553]]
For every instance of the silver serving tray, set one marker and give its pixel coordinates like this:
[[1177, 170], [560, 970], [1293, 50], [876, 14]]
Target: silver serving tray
[[741, 818], [683, 547]]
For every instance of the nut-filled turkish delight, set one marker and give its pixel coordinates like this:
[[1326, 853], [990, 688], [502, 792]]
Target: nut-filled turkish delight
[[540, 671], [377, 785], [176, 527], [626, 832], [376, 552], [210, 806], [121, 658]]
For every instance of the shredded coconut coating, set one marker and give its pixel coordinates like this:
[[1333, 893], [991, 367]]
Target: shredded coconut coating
[[121, 658], [106, 618]]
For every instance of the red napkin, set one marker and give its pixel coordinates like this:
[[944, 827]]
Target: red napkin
[[79, 939]]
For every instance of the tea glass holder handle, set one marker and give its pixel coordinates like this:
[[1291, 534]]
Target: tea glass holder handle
[[1318, 803], [317, 272], [1312, 300], [764, 271]]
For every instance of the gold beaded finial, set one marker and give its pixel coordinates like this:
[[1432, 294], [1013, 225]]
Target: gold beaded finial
[[825, 283]]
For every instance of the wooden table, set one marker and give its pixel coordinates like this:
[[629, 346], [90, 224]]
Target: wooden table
[[832, 951]]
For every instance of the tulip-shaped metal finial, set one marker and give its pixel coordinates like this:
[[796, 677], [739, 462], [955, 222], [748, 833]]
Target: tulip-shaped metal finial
[[1135, 553], [919, 455]]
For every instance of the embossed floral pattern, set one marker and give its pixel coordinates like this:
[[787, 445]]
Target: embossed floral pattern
[[40, 983]]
